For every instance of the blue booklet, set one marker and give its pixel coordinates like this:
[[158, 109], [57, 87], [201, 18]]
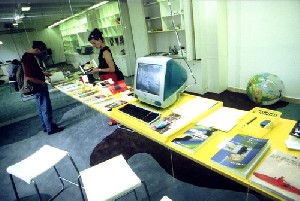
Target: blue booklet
[[241, 154]]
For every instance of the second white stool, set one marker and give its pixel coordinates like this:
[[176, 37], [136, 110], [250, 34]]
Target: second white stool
[[109, 180]]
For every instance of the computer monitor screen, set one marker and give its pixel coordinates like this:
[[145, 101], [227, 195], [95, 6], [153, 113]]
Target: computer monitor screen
[[159, 80], [148, 78]]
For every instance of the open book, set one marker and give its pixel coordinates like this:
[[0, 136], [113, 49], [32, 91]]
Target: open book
[[195, 107]]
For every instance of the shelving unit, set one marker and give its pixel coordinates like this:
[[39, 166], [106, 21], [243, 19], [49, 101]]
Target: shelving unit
[[110, 23], [113, 20], [160, 27]]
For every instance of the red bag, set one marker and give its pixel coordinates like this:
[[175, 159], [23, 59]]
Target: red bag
[[118, 87]]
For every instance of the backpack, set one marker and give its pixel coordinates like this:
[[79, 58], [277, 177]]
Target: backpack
[[25, 86]]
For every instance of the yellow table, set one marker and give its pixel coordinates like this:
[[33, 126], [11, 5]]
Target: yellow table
[[276, 136]]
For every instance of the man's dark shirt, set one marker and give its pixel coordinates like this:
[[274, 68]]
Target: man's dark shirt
[[31, 67]]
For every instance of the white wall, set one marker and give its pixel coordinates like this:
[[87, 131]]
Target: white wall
[[264, 36], [15, 45]]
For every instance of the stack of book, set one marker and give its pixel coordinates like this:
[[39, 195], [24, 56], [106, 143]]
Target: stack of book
[[240, 154], [279, 173]]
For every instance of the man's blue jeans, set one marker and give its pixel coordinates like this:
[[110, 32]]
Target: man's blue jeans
[[44, 107]]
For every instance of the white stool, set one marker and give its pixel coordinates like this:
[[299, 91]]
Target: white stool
[[36, 164], [109, 180]]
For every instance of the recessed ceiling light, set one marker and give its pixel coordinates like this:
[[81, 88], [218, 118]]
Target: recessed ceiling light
[[25, 8]]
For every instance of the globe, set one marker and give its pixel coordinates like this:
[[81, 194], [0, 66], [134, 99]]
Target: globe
[[265, 89]]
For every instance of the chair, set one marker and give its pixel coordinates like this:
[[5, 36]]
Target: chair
[[36, 164], [109, 180]]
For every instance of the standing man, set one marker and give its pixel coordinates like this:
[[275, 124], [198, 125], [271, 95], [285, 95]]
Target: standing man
[[35, 75]]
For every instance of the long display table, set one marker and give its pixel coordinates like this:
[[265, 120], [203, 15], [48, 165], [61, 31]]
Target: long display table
[[97, 97]]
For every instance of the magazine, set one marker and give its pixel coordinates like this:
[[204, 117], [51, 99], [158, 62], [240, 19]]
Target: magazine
[[279, 172], [240, 154], [193, 139], [168, 121]]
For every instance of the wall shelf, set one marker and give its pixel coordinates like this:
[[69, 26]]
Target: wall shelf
[[159, 23], [113, 20]]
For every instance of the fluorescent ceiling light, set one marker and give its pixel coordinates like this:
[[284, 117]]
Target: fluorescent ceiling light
[[90, 8], [97, 5], [25, 8]]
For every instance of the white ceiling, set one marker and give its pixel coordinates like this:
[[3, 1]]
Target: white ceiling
[[42, 13]]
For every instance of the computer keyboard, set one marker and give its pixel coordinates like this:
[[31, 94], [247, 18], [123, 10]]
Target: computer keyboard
[[140, 113]]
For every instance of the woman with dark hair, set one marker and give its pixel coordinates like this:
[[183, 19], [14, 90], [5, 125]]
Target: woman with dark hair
[[107, 67]]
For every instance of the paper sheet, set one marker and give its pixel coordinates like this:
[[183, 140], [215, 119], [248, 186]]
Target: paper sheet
[[195, 107], [223, 119], [57, 76]]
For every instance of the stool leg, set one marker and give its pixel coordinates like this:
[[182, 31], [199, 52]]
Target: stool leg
[[80, 188], [14, 186], [37, 190], [135, 195], [146, 189], [61, 181], [76, 168]]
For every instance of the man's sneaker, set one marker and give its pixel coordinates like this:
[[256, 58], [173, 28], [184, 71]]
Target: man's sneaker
[[55, 130]]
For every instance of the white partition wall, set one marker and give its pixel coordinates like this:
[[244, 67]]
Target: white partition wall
[[263, 36]]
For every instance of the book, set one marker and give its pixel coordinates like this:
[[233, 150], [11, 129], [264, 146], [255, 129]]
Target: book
[[194, 138], [168, 120], [279, 173], [112, 105], [293, 142], [223, 119], [296, 130], [240, 154]]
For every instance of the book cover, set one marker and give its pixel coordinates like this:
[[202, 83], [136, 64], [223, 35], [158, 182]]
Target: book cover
[[112, 105], [168, 120], [241, 153], [193, 139], [296, 130], [279, 172]]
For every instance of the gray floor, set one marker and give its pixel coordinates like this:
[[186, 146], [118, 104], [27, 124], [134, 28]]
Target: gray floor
[[21, 134]]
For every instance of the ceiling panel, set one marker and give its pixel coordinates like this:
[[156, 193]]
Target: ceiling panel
[[42, 13]]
